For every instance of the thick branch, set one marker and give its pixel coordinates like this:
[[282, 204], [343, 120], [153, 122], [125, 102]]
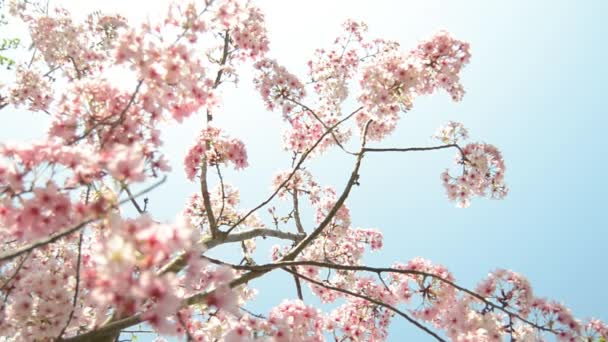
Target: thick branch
[[207, 200], [296, 212], [258, 232], [50, 239], [179, 261]]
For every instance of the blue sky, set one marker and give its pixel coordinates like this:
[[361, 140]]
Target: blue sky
[[535, 89]]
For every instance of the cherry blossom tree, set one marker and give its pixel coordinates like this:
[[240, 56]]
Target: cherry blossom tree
[[76, 266]]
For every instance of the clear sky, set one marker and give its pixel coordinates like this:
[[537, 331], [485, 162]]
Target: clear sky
[[535, 89]]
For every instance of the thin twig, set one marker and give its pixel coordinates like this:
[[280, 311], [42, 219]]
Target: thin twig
[[125, 187], [316, 116]]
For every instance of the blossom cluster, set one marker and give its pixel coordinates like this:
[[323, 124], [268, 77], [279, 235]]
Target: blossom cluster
[[32, 89], [277, 86], [32, 208], [174, 79], [79, 48], [250, 35], [483, 168], [483, 174], [214, 148], [392, 80], [331, 69], [40, 294]]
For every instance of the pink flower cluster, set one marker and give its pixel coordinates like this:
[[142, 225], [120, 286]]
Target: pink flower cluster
[[97, 114], [174, 79], [442, 58], [295, 321], [508, 288], [331, 69], [214, 148], [36, 210], [125, 245], [32, 89], [40, 294], [360, 320], [250, 35], [391, 80], [301, 181], [277, 86], [83, 48], [304, 132], [483, 173], [289, 321], [483, 168], [224, 205]]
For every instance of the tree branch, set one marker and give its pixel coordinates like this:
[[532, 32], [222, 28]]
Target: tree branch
[[296, 279], [296, 212], [295, 169], [206, 199], [380, 270], [349, 185], [413, 149], [371, 300], [316, 116], [133, 201], [257, 232]]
